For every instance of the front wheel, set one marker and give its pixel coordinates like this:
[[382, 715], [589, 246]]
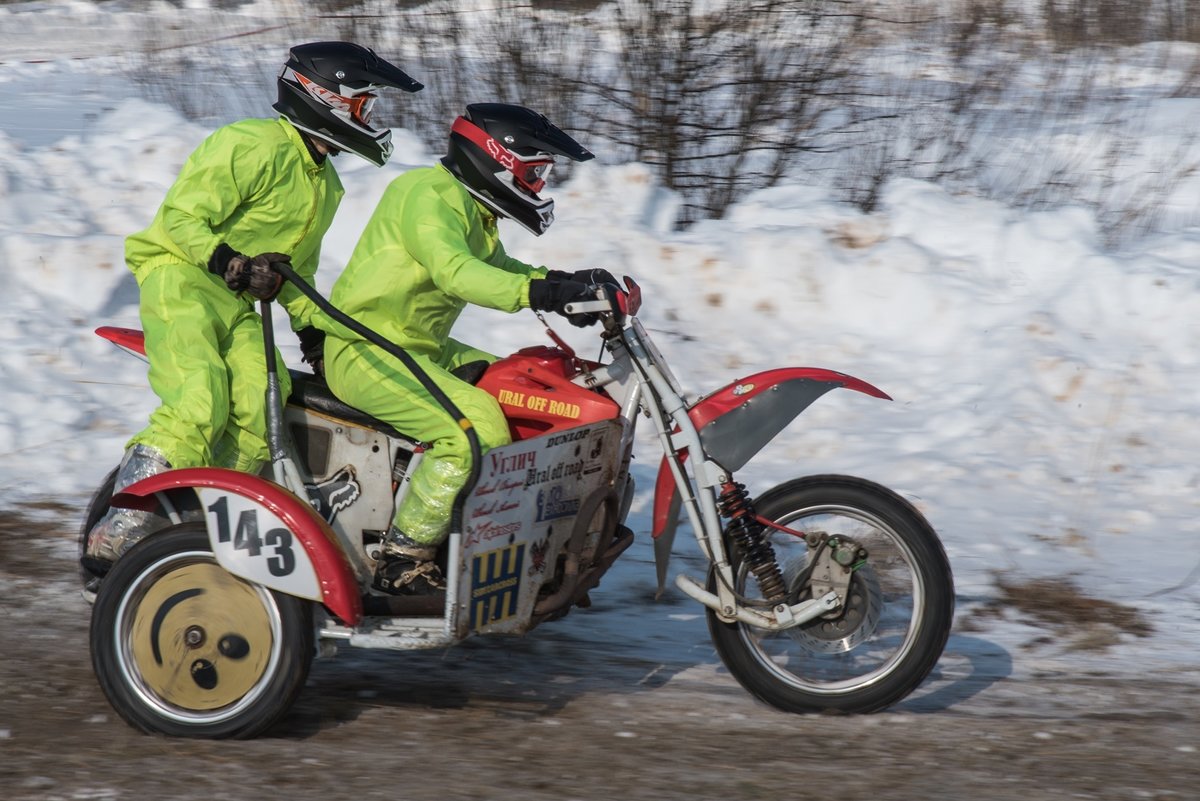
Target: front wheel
[[182, 647], [896, 611]]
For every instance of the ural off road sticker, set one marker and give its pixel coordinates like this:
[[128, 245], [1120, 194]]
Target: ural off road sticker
[[538, 403], [252, 542], [589, 448], [495, 584]]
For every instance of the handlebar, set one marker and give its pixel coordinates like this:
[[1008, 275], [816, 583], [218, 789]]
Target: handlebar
[[610, 299], [589, 307]]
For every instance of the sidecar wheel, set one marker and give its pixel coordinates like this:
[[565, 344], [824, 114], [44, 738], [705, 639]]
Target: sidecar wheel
[[885, 639], [182, 647], [101, 499]]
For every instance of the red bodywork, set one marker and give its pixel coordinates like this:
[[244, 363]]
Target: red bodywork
[[338, 585], [535, 391]]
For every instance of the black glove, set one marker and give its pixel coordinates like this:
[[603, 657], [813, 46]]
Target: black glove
[[594, 276], [555, 291], [312, 348], [243, 274]]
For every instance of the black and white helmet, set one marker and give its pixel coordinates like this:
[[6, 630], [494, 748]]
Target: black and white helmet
[[502, 153], [327, 89]]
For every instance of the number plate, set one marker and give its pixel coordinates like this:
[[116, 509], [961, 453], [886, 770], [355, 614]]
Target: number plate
[[252, 542]]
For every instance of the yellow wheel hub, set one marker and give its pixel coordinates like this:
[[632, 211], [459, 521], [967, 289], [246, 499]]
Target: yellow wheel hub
[[201, 638]]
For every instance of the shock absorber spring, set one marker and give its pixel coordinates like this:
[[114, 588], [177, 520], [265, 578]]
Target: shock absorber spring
[[748, 535]]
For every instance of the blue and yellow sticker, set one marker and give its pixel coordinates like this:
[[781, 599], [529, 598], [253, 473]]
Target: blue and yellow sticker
[[495, 584]]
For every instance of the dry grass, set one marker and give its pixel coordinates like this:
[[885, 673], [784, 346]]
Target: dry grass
[[1079, 620]]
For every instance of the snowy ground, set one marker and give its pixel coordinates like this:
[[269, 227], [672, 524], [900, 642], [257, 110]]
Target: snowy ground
[[1045, 389]]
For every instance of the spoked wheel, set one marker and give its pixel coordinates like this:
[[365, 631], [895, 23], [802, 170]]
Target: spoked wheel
[[182, 647], [898, 604]]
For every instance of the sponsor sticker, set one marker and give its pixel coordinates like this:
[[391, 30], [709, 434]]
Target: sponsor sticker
[[553, 504], [495, 584], [334, 493], [539, 403]]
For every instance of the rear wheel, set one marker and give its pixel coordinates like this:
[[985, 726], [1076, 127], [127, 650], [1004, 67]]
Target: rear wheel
[[182, 647], [91, 571], [896, 610]]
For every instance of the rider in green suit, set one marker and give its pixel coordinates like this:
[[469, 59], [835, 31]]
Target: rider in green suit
[[259, 186], [251, 187], [430, 248]]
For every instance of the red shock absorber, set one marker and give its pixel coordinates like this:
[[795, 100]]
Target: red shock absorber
[[748, 535]]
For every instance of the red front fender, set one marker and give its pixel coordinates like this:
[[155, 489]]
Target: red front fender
[[736, 421], [339, 588]]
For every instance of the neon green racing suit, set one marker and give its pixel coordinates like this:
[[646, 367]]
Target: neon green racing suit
[[255, 186], [428, 250]]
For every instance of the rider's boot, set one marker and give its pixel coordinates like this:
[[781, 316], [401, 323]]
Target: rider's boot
[[406, 567], [120, 529]]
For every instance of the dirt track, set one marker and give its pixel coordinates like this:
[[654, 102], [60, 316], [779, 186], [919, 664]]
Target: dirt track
[[559, 715]]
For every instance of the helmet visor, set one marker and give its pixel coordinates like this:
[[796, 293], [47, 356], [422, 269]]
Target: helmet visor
[[358, 105], [531, 174], [362, 108], [528, 172]]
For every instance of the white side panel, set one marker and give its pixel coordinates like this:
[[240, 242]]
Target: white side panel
[[520, 516], [252, 542]]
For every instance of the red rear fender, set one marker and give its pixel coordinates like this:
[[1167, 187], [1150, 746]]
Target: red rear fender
[[253, 524], [130, 339]]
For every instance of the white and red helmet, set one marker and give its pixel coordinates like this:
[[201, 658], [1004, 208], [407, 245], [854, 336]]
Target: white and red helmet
[[328, 90]]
